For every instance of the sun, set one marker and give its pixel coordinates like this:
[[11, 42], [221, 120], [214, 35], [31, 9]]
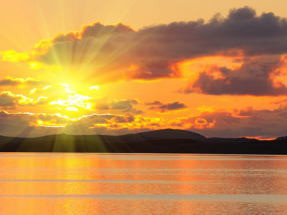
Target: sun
[[72, 100]]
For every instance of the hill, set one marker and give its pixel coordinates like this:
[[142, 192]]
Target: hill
[[160, 141]]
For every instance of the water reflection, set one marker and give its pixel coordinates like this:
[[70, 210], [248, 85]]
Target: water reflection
[[120, 184]]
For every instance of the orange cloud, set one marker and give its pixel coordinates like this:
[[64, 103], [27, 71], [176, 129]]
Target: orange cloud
[[279, 101], [259, 72]]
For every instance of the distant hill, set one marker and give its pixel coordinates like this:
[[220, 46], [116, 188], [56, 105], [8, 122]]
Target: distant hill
[[172, 134], [162, 134], [229, 140], [281, 138], [159, 141]]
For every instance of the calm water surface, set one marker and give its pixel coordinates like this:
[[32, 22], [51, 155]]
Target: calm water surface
[[43, 183]]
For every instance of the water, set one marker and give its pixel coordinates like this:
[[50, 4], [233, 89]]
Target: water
[[43, 183]]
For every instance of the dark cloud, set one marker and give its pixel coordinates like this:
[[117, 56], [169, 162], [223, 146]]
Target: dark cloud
[[28, 131], [52, 118], [125, 105], [9, 100], [31, 119], [113, 52], [93, 119], [17, 119], [163, 108], [121, 105], [81, 129], [254, 77], [94, 30], [247, 112], [123, 119]]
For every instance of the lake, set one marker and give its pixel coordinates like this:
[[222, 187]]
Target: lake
[[47, 183]]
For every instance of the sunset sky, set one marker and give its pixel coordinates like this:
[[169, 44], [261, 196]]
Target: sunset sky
[[218, 68]]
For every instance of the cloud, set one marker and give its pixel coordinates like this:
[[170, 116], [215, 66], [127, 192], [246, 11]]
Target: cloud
[[279, 101], [220, 123], [154, 103], [53, 90], [25, 119], [31, 125], [125, 106], [74, 100], [163, 108], [92, 119], [113, 124], [121, 105], [101, 104], [20, 82], [123, 119], [246, 113], [13, 56], [29, 131], [52, 119], [110, 53], [9, 100], [62, 95], [236, 123], [95, 30], [253, 77]]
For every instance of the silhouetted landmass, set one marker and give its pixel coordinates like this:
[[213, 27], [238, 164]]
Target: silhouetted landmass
[[281, 138], [160, 141], [168, 134]]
